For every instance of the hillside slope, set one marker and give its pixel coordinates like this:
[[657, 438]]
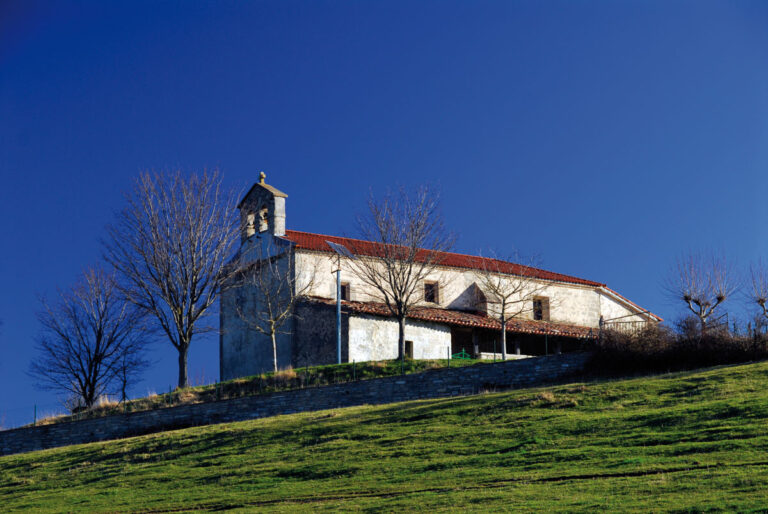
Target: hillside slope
[[686, 441]]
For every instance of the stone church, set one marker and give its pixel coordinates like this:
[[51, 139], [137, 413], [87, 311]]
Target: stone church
[[565, 315]]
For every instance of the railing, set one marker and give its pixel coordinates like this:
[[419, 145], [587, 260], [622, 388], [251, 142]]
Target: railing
[[624, 325]]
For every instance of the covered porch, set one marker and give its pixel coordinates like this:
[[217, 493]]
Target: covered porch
[[485, 343]]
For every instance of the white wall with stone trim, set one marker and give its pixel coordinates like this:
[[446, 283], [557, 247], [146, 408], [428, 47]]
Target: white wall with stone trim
[[575, 304], [244, 350]]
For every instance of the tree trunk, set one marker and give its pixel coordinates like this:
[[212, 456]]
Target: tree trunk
[[401, 337], [274, 351], [503, 338], [183, 382], [89, 398]]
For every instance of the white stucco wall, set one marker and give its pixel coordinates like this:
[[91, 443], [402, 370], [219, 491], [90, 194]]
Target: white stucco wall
[[612, 309], [569, 303], [375, 338]]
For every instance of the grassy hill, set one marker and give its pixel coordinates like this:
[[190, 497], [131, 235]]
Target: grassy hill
[[686, 442]]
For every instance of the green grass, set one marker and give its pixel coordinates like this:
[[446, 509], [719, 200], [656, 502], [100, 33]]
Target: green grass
[[686, 442]]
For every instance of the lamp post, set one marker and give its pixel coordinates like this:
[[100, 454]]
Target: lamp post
[[341, 251], [338, 313]]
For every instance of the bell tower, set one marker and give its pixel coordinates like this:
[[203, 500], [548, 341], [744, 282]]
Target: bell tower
[[262, 209]]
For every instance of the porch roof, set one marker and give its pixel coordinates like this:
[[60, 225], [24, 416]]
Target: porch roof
[[468, 319]]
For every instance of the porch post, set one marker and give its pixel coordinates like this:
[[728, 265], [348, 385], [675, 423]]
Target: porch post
[[338, 316]]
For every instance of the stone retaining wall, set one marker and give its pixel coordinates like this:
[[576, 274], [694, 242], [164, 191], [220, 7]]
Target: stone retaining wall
[[435, 383]]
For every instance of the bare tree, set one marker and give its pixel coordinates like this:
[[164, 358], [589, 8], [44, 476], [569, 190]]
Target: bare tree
[[267, 287], [704, 281], [759, 276], [405, 237], [87, 335], [511, 287], [170, 246], [129, 370]]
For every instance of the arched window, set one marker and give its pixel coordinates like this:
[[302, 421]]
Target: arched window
[[263, 221], [250, 220]]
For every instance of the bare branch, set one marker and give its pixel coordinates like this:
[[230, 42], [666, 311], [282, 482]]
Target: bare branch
[[511, 295], [268, 285], [759, 276], [89, 336], [703, 281], [170, 247], [404, 239]]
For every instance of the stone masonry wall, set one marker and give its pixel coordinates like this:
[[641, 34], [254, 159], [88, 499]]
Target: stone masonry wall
[[435, 383], [314, 335]]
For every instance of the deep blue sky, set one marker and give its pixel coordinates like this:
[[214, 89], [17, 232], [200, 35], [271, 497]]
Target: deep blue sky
[[605, 136]]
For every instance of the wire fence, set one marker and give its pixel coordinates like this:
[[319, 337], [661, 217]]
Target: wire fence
[[15, 417]]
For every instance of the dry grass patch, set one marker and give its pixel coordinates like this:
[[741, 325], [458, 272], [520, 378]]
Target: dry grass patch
[[546, 396]]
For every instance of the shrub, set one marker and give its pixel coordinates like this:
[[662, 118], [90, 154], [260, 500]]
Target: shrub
[[658, 348]]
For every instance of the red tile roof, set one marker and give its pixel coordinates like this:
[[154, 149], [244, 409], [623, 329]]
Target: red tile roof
[[469, 319], [317, 242]]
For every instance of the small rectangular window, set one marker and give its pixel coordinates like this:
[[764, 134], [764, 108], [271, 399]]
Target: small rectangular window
[[345, 291], [541, 309], [431, 292], [409, 349]]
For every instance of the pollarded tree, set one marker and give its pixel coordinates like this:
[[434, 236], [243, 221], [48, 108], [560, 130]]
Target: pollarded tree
[[88, 335], [759, 276], [404, 239], [704, 281], [268, 286], [170, 246], [511, 286]]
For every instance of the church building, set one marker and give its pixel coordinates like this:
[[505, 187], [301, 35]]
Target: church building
[[453, 316]]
